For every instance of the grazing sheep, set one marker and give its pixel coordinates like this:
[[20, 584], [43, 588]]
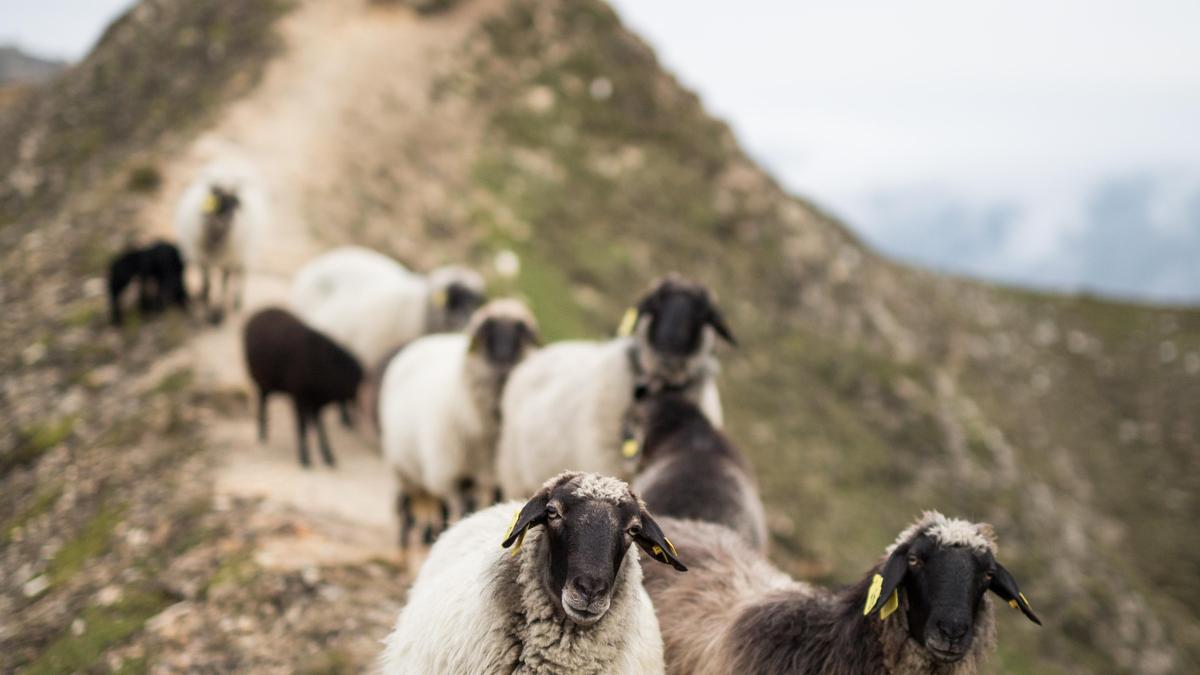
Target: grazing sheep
[[566, 406], [286, 356], [372, 304], [158, 269], [568, 599], [922, 609], [439, 404], [690, 470], [216, 222]]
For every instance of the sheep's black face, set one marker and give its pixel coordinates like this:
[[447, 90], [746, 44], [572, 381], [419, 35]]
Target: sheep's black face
[[459, 301], [944, 586], [588, 541], [503, 341], [673, 317], [226, 202], [590, 522]]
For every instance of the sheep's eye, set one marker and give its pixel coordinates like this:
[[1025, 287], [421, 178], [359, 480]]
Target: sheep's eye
[[552, 513], [914, 561], [988, 576], [634, 530]]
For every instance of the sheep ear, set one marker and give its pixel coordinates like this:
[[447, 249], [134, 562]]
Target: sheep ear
[[655, 543], [479, 336], [531, 335], [533, 513], [717, 321], [1005, 586], [883, 596]]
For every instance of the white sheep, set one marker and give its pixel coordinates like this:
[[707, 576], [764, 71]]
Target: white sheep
[[569, 598], [218, 222], [439, 404], [566, 407], [372, 304], [922, 610]]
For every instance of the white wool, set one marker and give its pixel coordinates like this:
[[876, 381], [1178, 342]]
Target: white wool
[[474, 608], [366, 301], [432, 433], [594, 486], [437, 410], [563, 409], [249, 219], [949, 532]]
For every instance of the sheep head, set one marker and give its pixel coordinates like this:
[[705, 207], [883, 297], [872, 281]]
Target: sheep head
[[589, 523], [937, 572]]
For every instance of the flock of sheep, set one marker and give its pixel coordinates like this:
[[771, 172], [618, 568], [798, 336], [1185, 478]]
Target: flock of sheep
[[470, 408]]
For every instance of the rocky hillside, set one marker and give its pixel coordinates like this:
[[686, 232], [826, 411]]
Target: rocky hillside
[[864, 391]]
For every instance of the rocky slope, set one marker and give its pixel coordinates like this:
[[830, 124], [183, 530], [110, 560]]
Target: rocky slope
[[864, 391]]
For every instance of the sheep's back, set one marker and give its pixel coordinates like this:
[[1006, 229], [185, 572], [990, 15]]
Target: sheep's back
[[697, 609], [426, 416], [562, 410]]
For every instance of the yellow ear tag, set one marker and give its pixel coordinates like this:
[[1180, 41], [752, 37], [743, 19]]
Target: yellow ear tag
[[210, 203], [893, 602], [627, 323], [1027, 603], [672, 547], [1013, 604], [439, 299], [873, 593], [508, 533], [629, 449]]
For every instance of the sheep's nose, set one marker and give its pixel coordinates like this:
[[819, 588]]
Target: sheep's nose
[[590, 587], [953, 629]]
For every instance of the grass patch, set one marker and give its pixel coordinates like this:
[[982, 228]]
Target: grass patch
[[175, 381], [104, 627], [93, 539], [42, 503], [35, 440], [144, 178]]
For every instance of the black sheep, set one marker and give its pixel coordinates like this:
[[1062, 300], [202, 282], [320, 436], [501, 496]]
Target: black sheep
[[158, 269], [286, 356], [689, 469]]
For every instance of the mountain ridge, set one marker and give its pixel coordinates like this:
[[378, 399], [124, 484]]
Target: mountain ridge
[[864, 392]]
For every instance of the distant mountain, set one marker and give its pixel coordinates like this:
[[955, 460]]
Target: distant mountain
[[1134, 235], [17, 66]]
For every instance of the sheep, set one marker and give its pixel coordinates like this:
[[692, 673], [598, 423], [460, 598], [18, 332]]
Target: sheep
[[568, 599], [689, 469], [371, 304], [564, 407], [284, 355], [158, 269], [217, 221], [439, 404], [736, 613]]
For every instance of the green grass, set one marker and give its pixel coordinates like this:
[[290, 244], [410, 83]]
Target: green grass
[[92, 540], [104, 627], [42, 503], [35, 440]]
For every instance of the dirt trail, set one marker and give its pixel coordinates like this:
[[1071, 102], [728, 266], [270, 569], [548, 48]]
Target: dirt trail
[[344, 66]]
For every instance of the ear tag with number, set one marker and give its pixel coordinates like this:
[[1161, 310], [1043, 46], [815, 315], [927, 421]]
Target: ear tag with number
[[629, 448], [893, 602], [210, 203], [439, 298]]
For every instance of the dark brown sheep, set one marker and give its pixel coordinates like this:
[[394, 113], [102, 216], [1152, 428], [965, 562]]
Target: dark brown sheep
[[286, 356]]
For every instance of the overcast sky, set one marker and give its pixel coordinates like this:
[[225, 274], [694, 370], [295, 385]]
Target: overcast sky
[[896, 115]]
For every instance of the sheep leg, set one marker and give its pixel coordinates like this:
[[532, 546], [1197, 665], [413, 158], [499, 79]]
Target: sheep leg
[[262, 415], [344, 408], [302, 430], [497, 495], [405, 511], [239, 282], [204, 286], [322, 439]]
